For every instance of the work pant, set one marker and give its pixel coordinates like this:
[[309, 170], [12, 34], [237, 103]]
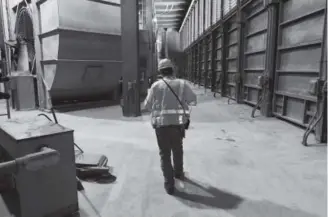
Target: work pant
[[169, 139]]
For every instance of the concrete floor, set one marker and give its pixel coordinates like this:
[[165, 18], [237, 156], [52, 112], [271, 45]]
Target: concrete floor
[[237, 166]]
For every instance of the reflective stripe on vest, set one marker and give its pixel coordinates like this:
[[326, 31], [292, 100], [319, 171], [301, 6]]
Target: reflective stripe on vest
[[169, 111]]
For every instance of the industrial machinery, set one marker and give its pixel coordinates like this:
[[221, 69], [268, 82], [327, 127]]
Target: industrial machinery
[[45, 184], [78, 55]]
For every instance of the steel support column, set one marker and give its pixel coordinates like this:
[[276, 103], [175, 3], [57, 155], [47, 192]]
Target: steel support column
[[205, 56], [44, 97], [321, 128], [224, 41], [149, 24], [213, 68], [130, 58], [270, 57], [240, 48], [199, 66], [224, 73]]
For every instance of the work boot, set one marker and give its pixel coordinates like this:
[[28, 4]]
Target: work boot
[[169, 189]]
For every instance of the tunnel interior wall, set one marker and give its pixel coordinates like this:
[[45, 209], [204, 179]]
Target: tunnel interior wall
[[262, 53]]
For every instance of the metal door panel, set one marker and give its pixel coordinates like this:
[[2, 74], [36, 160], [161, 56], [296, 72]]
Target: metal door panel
[[190, 61], [231, 52], [298, 8], [198, 62], [209, 62], [217, 59], [298, 58], [255, 40], [202, 61], [195, 64]]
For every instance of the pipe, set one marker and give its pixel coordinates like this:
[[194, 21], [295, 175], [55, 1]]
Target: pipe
[[44, 158]]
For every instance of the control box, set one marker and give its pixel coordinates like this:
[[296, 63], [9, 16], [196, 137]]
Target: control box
[[48, 192]]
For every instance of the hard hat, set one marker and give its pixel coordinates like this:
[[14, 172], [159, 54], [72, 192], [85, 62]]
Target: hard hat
[[165, 63]]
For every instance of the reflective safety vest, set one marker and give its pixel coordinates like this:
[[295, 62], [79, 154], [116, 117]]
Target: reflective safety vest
[[163, 104]]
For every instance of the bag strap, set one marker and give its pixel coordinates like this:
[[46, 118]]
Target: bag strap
[[176, 96]]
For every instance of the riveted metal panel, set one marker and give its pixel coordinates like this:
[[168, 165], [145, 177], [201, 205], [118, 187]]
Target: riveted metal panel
[[231, 53], [217, 59], [255, 40], [299, 52]]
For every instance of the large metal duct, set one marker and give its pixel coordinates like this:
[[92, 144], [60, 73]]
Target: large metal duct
[[80, 47], [174, 51]]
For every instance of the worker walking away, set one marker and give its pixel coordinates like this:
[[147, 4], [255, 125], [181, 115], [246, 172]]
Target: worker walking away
[[168, 100]]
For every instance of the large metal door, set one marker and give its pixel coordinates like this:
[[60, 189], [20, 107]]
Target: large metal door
[[231, 57], [299, 52], [255, 40], [217, 59]]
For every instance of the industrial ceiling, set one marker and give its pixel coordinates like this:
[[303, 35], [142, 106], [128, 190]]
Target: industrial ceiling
[[170, 13]]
